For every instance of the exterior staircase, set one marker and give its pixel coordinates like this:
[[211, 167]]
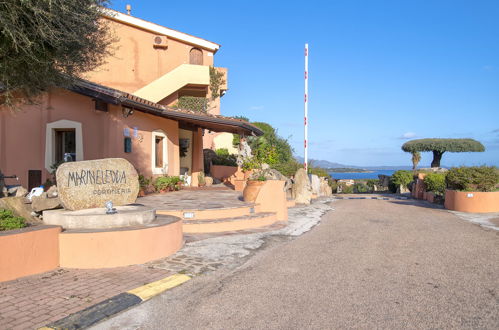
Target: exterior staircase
[[222, 220]]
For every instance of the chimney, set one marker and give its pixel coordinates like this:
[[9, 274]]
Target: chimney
[[128, 9]]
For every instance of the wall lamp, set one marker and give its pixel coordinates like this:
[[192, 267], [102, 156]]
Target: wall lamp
[[126, 111]]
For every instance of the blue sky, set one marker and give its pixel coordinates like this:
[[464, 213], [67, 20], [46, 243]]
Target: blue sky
[[381, 72]]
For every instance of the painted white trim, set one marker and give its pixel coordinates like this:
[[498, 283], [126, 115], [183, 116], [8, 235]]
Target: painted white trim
[[124, 18], [164, 169], [50, 140]]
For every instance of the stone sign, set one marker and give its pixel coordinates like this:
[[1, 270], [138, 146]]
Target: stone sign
[[91, 183]]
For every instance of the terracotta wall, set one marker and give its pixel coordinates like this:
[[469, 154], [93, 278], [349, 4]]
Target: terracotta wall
[[136, 62], [272, 198], [22, 134], [472, 201], [116, 248], [28, 251]]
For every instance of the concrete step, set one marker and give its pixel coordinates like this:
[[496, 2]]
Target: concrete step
[[206, 214], [217, 225]]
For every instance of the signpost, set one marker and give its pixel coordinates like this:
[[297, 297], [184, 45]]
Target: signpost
[[306, 110]]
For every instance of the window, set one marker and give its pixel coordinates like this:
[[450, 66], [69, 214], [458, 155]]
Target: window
[[196, 56], [158, 146], [159, 155], [65, 145]]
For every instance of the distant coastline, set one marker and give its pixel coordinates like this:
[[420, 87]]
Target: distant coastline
[[348, 170]]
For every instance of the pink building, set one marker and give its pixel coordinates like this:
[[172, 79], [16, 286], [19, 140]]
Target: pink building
[[150, 103]]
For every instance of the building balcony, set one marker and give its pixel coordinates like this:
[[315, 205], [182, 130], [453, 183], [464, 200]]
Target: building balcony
[[180, 77]]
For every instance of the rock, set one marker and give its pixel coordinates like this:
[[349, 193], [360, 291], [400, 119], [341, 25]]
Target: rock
[[269, 174], [265, 166], [42, 202], [52, 192], [21, 191], [302, 192], [401, 189], [325, 188], [208, 181], [92, 183], [315, 184], [18, 206]]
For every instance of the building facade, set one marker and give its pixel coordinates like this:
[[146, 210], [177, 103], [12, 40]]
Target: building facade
[[151, 103]]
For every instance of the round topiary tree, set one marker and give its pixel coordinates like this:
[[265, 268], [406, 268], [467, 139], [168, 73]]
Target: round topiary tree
[[439, 146]]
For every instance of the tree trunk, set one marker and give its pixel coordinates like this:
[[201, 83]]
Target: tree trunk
[[437, 156]]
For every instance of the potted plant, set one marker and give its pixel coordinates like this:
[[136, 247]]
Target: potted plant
[[161, 184], [201, 180], [144, 184], [253, 186]]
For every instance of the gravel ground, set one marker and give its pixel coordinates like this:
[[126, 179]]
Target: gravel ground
[[369, 264]]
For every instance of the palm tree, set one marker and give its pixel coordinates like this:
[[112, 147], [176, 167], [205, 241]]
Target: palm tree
[[416, 157]]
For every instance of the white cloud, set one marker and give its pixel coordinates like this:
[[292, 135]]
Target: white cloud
[[256, 107], [408, 135], [487, 68]]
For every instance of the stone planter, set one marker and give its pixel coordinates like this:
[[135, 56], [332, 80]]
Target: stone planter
[[251, 190], [472, 201]]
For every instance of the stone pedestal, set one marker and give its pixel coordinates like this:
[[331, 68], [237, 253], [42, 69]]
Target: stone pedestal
[[128, 215]]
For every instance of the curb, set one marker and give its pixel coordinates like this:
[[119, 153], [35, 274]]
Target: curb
[[109, 307]]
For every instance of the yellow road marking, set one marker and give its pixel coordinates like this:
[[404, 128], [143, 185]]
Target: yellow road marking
[[152, 289]]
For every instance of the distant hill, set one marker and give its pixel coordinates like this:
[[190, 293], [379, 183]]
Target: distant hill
[[327, 164]]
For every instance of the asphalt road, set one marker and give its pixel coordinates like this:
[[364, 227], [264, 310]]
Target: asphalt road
[[369, 264]]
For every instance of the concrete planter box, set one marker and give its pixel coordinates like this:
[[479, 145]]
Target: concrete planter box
[[28, 251], [472, 201], [221, 172], [430, 196]]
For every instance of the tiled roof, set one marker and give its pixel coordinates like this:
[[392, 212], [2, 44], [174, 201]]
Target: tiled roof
[[205, 120]]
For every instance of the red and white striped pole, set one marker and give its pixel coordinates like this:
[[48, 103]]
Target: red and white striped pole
[[306, 109]]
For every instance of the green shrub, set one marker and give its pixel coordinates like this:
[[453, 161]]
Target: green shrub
[[334, 186], [435, 182], [319, 171], [288, 168], [224, 158], [402, 178], [476, 178], [144, 182], [371, 183], [9, 221], [360, 187], [168, 183], [346, 189]]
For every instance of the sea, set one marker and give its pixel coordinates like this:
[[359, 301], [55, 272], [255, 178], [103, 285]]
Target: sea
[[360, 175]]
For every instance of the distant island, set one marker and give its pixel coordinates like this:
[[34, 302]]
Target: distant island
[[337, 167], [348, 170]]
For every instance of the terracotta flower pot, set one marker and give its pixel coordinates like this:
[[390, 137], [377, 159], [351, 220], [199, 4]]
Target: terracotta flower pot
[[251, 190], [142, 193]]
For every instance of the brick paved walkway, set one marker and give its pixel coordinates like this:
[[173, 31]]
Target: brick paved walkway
[[37, 300]]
